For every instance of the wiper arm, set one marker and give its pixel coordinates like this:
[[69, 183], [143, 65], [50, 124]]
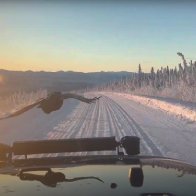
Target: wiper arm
[[50, 178]]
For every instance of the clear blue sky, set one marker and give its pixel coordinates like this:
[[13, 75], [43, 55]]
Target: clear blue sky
[[89, 37]]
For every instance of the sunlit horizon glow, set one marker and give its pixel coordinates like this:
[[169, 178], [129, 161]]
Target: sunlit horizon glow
[[90, 37]]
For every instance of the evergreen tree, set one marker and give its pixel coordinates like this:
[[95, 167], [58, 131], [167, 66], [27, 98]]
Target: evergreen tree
[[152, 77]]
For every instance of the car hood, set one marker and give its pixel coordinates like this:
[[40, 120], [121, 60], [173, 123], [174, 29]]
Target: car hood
[[111, 176]]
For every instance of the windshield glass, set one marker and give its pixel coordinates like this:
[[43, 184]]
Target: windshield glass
[[86, 69]]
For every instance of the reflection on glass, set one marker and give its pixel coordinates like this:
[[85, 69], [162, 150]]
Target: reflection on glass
[[113, 185], [136, 177], [52, 178]]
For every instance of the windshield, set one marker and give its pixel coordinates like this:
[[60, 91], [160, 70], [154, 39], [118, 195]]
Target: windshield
[[86, 69]]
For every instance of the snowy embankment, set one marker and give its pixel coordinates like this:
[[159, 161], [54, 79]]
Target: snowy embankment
[[177, 109]]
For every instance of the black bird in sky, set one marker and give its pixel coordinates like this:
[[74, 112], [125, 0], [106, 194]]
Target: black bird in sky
[[53, 102]]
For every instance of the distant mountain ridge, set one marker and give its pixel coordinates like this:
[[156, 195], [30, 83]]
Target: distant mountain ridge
[[55, 81]]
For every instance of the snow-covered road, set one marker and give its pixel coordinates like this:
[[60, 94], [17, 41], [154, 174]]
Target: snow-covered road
[[161, 133]]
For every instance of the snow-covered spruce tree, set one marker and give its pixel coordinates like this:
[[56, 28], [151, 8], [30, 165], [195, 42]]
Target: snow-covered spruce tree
[[152, 77], [139, 76], [183, 58]]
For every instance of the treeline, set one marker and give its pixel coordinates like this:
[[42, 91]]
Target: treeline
[[181, 78]]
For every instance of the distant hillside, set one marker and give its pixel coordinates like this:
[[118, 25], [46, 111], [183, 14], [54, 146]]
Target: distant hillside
[[54, 81]]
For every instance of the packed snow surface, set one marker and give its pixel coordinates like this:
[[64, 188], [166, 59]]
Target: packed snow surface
[[161, 132]]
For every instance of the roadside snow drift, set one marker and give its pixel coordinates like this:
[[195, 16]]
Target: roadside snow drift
[[176, 109]]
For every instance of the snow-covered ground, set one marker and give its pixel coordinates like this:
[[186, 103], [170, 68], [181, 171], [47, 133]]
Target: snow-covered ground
[[161, 131]]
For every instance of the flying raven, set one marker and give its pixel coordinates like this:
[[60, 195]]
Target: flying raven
[[53, 102]]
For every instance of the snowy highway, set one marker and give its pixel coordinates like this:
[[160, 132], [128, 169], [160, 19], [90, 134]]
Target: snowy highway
[[161, 133]]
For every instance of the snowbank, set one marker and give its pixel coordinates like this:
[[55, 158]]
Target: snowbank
[[175, 109]]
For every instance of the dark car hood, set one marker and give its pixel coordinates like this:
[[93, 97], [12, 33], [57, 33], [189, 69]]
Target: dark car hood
[[160, 176]]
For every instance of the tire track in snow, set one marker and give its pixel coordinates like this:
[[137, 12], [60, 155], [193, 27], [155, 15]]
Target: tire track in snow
[[136, 130], [70, 128], [114, 122]]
